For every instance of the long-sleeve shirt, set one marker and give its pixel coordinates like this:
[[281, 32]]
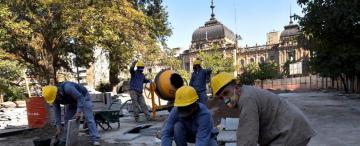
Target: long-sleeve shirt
[[198, 79], [267, 119], [201, 123], [69, 93], [137, 79]]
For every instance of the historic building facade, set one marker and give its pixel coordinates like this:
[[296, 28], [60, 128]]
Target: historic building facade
[[282, 48], [213, 36]]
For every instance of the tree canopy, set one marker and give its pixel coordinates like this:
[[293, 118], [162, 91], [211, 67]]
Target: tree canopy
[[39, 33], [332, 27]]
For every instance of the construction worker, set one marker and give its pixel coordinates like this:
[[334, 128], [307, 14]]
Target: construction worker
[[198, 80], [77, 101], [189, 121], [265, 118], [136, 89]]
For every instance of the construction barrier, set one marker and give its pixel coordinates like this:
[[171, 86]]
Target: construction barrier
[[312, 82]]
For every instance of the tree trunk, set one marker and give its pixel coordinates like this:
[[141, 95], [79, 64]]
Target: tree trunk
[[344, 83]]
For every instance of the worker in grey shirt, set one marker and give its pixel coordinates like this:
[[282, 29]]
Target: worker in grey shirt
[[265, 118]]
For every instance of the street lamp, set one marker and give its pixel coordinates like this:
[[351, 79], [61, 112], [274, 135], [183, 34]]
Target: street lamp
[[72, 44]]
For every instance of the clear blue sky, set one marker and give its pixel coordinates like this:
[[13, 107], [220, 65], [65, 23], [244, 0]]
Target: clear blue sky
[[254, 18]]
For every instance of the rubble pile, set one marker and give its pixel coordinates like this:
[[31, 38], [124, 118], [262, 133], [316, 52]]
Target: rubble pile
[[12, 117]]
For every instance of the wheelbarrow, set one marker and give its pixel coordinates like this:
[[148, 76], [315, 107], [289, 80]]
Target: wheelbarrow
[[103, 118]]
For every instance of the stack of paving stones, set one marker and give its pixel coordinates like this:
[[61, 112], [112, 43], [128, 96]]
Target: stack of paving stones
[[227, 134]]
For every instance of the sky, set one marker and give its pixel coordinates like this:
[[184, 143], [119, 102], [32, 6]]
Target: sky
[[254, 18]]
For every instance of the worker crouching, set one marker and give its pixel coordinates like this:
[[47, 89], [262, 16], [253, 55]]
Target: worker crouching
[[189, 121], [265, 118]]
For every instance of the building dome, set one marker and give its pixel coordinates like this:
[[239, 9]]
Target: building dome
[[290, 30], [212, 30]]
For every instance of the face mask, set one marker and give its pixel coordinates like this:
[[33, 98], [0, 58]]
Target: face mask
[[232, 100]]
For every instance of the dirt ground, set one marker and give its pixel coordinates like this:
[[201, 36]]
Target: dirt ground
[[334, 116]]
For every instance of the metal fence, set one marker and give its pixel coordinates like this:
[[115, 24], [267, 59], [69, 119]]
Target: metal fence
[[312, 82]]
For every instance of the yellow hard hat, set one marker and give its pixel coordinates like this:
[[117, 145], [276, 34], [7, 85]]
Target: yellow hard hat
[[140, 64], [49, 93], [197, 62], [220, 80], [185, 96]]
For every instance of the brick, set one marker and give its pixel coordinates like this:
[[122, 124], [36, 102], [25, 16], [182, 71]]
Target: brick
[[231, 123], [227, 136]]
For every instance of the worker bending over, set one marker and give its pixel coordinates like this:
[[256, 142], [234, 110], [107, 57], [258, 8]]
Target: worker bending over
[[265, 118], [77, 101], [189, 121]]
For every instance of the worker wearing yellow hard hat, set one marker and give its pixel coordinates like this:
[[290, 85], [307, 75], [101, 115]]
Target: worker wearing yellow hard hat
[[77, 101], [263, 115], [136, 89], [198, 80], [189, 121]]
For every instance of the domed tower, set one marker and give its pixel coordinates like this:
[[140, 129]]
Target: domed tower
[[291, 32], [212, 33]]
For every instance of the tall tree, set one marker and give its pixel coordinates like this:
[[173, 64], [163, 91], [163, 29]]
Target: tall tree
[[11, 74], [333, 27], [39, 33], [158, 22]]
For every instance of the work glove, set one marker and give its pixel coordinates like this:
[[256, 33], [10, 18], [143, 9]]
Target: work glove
[[78, 116]]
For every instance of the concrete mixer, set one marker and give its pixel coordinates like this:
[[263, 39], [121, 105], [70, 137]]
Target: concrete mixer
[[164, 87]]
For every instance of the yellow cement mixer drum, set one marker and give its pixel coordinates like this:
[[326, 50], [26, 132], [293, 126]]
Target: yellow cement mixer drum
[[167, 82]]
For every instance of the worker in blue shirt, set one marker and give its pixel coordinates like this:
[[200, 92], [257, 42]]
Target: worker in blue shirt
[[136, 89], [198, 80], [189, 121], [77, 101]]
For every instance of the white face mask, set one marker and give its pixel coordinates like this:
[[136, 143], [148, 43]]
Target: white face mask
[[232, 101]]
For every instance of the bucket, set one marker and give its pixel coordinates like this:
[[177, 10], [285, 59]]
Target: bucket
[[166, 84], [42, 142], [36, 112]]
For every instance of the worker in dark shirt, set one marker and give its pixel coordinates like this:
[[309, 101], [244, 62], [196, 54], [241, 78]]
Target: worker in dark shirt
[[136, 89]]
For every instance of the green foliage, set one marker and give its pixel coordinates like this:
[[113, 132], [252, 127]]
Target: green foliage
[[267, 70], [38, 33], [262, 71], [158, 24], [173, 62], [249, 74], [10, 76], [217, 61], [332, 27], [286, 68], [104, 87]]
